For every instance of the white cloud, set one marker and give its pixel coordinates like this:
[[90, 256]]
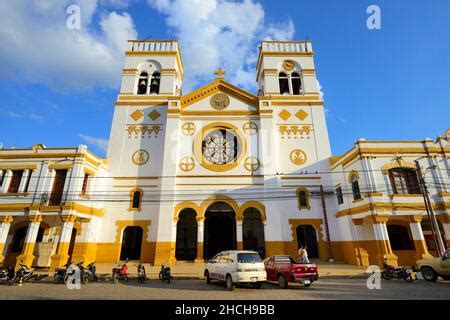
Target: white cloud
[[224, 33], [14, 115], [36, 117], [100, 143], [37, 46]]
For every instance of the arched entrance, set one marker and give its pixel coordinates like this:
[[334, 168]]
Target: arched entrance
[[220, 229], [131, 243], [186, 245], [18, 240], [253, 231], [306, 236]]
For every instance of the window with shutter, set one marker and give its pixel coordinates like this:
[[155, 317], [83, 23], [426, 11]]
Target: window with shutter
[[15, 181], [58, 187]]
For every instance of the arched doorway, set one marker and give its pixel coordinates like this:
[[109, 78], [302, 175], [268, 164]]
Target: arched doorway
[[131, 243], [186, 245], [306, 236], [73, 236], [399, 237], [220, 229], [253, 231], [18, 240]]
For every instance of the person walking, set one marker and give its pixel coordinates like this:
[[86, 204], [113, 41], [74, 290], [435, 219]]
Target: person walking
[[303, 255]]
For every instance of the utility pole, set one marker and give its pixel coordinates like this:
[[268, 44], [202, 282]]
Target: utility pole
[[325, 220], [440, 247]]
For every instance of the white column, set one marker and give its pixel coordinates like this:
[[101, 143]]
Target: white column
[[6, 181], [5, 223], [200, 228], [446, 227], [416, 231], [23, 181], [239, 231], [173, 235], [380, 231]]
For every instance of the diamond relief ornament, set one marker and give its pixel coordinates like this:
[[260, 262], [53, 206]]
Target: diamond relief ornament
[[301, 115], [284, 114], [154, 115], [136, 115]]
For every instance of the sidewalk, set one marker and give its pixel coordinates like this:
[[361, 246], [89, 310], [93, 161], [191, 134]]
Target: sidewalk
[[335, 270]]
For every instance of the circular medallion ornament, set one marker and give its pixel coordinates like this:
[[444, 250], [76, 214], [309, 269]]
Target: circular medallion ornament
[[297, 157], [219, 101], [140, 157], [251, 164], [187, 164], [188, 128], [288, 65], [250, 128]]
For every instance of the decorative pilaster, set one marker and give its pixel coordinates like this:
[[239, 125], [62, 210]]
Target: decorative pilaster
[[61, 256], [5, 224], [382, 239], [418, 237], [239, 240], [86, 248], [200, 228], [23, 181], [27, 257]]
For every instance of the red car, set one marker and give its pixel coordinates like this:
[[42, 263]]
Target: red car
[[285, 269]]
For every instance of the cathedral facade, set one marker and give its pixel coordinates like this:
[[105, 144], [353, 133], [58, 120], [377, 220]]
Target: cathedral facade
[[189, 175]]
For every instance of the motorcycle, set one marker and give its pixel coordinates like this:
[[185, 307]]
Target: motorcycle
[[90, 272], [24, 273], [61, 274], [390, 272], [141, 272], [164, 274], [7, 275], [120, 272]]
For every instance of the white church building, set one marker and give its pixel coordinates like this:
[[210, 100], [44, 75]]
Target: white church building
[[189, 175]]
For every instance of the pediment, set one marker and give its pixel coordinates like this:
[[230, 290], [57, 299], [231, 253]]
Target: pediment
[[200, 99]]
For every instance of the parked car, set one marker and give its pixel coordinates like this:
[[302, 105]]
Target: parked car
[[236, 266], [432, 268], [284, 269]]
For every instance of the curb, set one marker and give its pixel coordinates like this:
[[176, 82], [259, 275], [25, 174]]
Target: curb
[[47, 279]]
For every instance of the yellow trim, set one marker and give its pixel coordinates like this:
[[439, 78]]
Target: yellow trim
[[18, 167], [216, 86], [389, 207], [132, 192], [297, 192], [160, 53], [300, 178], [201, 209], [219, 184], [140, 103], [136, 178], [400, 163], [60, 166], [222, 176], [198, 154]]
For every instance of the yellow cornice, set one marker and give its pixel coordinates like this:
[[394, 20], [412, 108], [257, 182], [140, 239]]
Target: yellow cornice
[[60, 166], [18, 167], [159, 53], [277, 96], [159, 98], [355, 152], [20, 207], [386, 206], [296, 104], [278, 54], [216, 86], [140, 103]]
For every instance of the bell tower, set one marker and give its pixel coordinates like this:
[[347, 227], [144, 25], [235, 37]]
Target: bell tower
[[151, 86], [288, 88]]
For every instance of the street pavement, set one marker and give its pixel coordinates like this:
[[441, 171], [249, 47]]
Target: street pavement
[[199, 290]]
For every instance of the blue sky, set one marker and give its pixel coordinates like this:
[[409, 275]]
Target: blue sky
[[58, 86]]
